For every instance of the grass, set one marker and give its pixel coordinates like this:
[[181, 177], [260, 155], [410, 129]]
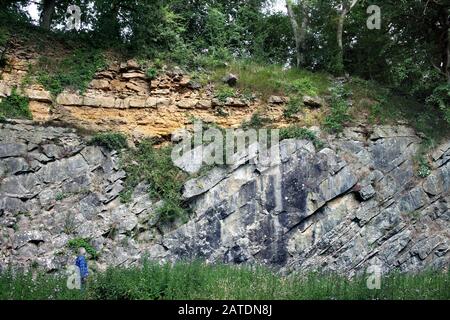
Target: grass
[[186, 281], [270, 80], [224, 92], [155, 167], [15, 106], [110, 140], [74, 71], [296, 132]]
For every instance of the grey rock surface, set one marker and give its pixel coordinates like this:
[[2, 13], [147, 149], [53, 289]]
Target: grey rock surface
[[356, 203], [345, 208]]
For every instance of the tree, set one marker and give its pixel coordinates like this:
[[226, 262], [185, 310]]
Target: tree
[[344, 9], [48, 9], [444, 38], [300, 31]]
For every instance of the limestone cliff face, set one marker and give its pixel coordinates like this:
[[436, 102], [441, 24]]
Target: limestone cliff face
[[355, 203], [344, 208]]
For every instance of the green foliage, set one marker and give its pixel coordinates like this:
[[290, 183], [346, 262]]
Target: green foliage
[[222, 93], [293, 107], [110, 140], [199, 281], [339, 113], [60, 196], [296, 132], [155, 167], [152, 73], [270, 80], [424, 167], [15, 106], [256, 121], [441, 99], [304, 86], [4, 36], [78, 243], [73, 72]]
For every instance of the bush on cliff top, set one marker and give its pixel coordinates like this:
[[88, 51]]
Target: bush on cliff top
[[72, 72]]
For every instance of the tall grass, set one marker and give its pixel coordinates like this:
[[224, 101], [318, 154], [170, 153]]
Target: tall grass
[[199, 281], [274, 79]]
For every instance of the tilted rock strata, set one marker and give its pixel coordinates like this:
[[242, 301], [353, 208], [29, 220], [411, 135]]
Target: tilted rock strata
[[355, 204], [351, 205]]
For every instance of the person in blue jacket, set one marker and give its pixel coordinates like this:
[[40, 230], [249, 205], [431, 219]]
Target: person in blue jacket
[[82, 265]]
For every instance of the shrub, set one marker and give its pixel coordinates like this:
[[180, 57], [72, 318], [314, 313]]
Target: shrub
[[225, 92], [155, 167], [110, 140], [256, 121], [424, 167], [15, 106], [339, 115], [60, 196], [441, 99], [152, 73], [292, 107], [4, 37], [75, 71], [78, 243], [296, 132]]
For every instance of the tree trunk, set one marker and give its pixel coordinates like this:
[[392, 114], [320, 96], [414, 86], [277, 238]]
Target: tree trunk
[[346, 7], [445, 16], [299, 32], [340, 29], [296, 31], [47, 14], [303, 32]]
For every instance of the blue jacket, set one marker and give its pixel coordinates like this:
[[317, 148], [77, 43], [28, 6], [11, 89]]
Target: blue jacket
[[81, 263]]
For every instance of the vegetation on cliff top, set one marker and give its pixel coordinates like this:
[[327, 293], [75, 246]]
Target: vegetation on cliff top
[[73, 71], [213, 38]]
